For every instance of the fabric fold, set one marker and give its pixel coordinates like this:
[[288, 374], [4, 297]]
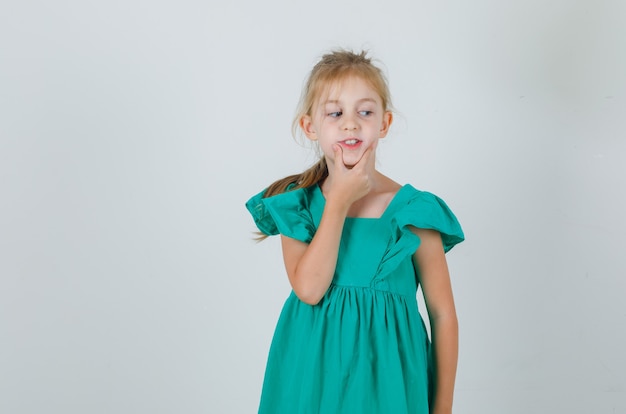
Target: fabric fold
[[422, 210], [286, 213]]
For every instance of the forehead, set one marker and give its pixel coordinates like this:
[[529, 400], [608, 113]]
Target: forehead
[[348, 88]]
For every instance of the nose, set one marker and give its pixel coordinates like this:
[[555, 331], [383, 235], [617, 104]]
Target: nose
[[349, 123]]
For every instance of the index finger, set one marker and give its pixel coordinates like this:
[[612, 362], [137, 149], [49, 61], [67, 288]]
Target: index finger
[[338, 158], [366, 159]]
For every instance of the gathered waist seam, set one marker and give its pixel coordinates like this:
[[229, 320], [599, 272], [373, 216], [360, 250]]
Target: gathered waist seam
[[333, 285]]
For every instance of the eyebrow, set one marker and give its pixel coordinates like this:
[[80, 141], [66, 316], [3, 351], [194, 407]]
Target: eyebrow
[[336, 101]]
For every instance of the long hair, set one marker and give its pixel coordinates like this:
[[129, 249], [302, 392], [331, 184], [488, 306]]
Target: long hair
[[333, 67]]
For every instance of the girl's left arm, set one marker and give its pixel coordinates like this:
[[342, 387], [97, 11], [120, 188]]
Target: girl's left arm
[[432, 269]]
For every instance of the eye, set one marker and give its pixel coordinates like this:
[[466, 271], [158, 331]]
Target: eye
[[335, 114], [365, 113]]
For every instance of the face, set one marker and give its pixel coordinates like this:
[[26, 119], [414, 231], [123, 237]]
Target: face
[[351, 115]]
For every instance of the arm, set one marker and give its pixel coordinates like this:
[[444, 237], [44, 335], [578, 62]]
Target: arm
[[311, 267], [434, 278]]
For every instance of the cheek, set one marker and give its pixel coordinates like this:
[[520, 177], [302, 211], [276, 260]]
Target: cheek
[[327, 148]]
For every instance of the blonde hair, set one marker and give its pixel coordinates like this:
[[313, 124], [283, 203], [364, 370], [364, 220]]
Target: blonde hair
[[333, 67]]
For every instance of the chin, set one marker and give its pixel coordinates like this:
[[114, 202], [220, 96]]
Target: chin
[[350, 163]]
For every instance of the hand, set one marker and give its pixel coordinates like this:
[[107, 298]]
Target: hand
[[348, 185]]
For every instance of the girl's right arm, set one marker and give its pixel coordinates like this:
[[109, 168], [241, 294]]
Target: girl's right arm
[[311, 267]]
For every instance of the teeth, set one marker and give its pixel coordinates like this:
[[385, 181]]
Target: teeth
[[351, 141]]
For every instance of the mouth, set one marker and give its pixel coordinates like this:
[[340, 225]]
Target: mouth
[[351, 142]]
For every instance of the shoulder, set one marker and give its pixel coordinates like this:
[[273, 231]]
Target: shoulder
[[290, 193], [424, 210], [299, 198], [417, 196], [286, 213]]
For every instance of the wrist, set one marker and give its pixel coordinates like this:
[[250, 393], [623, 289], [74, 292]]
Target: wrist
[[337, 207]]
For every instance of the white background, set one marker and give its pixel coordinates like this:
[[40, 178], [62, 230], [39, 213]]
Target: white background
[[132, 133]]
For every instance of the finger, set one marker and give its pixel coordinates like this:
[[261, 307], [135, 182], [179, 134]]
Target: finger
[[371, 159], [366, 159], [370, 155], [338, 155]]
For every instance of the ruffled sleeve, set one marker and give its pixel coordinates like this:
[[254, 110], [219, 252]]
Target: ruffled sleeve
[[287, 214], [423, 210]]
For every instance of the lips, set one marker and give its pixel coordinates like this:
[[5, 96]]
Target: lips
[[351, 142]]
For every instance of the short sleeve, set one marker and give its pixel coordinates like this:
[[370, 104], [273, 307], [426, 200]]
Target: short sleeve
[[425, 210], [286, 213]]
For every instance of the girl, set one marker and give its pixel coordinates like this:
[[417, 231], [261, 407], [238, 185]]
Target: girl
[[356, 245]]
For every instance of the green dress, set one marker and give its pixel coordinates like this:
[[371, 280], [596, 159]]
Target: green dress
[[364, 347]]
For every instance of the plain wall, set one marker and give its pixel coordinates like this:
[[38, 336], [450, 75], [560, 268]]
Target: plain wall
[[133, 132]]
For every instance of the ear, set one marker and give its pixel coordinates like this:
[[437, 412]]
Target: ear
[[307, 127], [387, 120]]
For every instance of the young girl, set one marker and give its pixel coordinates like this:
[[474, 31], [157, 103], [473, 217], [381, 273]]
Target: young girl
[[356, 245]]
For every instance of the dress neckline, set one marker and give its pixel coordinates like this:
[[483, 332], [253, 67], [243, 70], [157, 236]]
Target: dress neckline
[[394, 200]]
